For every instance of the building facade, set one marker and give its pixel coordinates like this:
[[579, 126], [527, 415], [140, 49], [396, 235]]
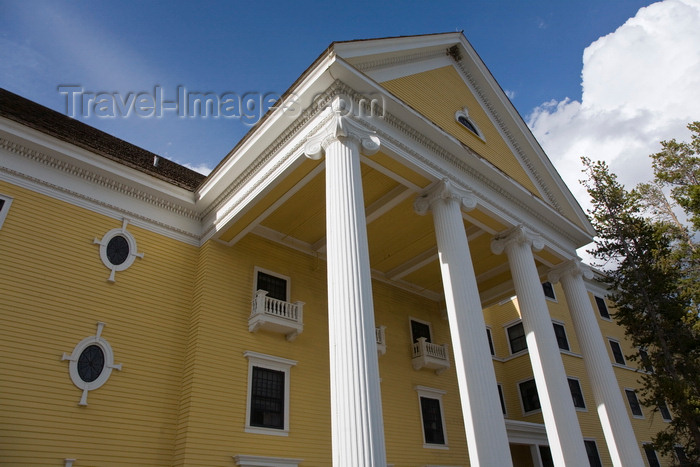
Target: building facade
[[382, 272]]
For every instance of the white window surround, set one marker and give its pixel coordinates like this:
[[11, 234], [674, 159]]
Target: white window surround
[[5, 208], [133, 250], [106, 369], [271, 362], [265, 461], [566, 334], [507, 326], [520, 396], [464, 112], [432, 393], [612, 342], [633, 390], [592, 440], [257, 269], [427, 323], [585, 406]]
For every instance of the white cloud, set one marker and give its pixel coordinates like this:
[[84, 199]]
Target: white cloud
[[204, 169], [641, 85]]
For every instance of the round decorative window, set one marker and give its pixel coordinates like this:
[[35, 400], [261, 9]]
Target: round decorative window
[[91, 363], [118, 250]]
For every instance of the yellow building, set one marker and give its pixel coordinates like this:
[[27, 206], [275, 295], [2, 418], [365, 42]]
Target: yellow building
[[382, 272]]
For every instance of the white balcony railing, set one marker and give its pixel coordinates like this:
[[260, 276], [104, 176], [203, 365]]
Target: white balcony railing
[[429, 355], [276, 315], [381, 339]]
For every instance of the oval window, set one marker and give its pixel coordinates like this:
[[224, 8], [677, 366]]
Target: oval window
[[117, 250], [91, 363]]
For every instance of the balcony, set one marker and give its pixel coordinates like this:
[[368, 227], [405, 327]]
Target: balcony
[[431, 356], [271, 314], [381, 340]]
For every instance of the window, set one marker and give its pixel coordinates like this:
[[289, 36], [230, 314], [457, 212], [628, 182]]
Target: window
[[546, 456], [490, 338], [592, 453], [548, 289], [681, 455], [420, 329], [275, 285], [665, 413], [602, 307], [652, 458], [5, 202], [634, 403], [617, 352], [645, 361], [529, 396], [462, 116], [516, 338], [432, 417], [118, 250], [268, 394], [576, 393], [500, 396], [560, 333]]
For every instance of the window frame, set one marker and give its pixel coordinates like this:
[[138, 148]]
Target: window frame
[[5, 208], [661, 408], [434, 394], [509, 326], [464, 113], [522, 399], [427, 323], [566, 337], [489, 336], [586, 443], [551, 287], [648, 448], [287, 279], [633, 392], [607, 316], [270, 362], [616, 342], [569, 379]]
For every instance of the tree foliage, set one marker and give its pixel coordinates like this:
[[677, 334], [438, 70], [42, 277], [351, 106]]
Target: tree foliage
[[650, 257]]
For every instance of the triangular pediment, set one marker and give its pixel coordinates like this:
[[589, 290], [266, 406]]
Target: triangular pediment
[[440, 76]]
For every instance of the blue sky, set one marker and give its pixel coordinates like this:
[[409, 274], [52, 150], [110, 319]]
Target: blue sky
[[533, 48]]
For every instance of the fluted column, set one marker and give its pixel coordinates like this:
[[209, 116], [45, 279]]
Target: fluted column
[[487, 439], [356, 407], [561, 422], [612, 411]]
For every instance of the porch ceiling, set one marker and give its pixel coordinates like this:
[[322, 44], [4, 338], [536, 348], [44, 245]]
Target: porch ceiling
[[402, 244]]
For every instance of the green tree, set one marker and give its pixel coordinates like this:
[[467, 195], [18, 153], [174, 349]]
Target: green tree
[[650, 261]]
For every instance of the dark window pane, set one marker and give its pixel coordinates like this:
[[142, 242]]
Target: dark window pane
[[432, 421], [634, 402], [602, 307], [592, 452], [560, 332], [528, 393], [546, 455], [665, 413], [267, 398], [276, 287], [576, 393], [465, 121], [91, 363], [516, 337], [419, 330], [488, 335], [503, 402], [680, 454], [617, 352], [548, 289], [117, 250], [645, 360], [2, 203], [651, 456]]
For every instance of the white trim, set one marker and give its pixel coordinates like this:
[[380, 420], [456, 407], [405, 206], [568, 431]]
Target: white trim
[[612, 352], [106, 369], [509, 325], [566, 335], [257, 269], [265, 461], [634, 391], [5, 208], [464, 112], [133, 250], [271, 362], [551, 299], [428, 323], [436, 394], [520, 432]]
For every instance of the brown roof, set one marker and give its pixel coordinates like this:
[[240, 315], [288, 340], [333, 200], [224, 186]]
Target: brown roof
[[72, 131]]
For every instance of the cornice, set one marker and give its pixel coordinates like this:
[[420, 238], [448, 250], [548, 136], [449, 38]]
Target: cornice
[[369, 65], [96, 179]]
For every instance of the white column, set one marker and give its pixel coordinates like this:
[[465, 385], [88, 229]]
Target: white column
[[487, 439], [612, 411], [356, 406], [561, 422]]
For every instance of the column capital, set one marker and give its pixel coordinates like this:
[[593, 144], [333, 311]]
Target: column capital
[[341, 125], [516, 235], [446, 190], [573, 267]]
